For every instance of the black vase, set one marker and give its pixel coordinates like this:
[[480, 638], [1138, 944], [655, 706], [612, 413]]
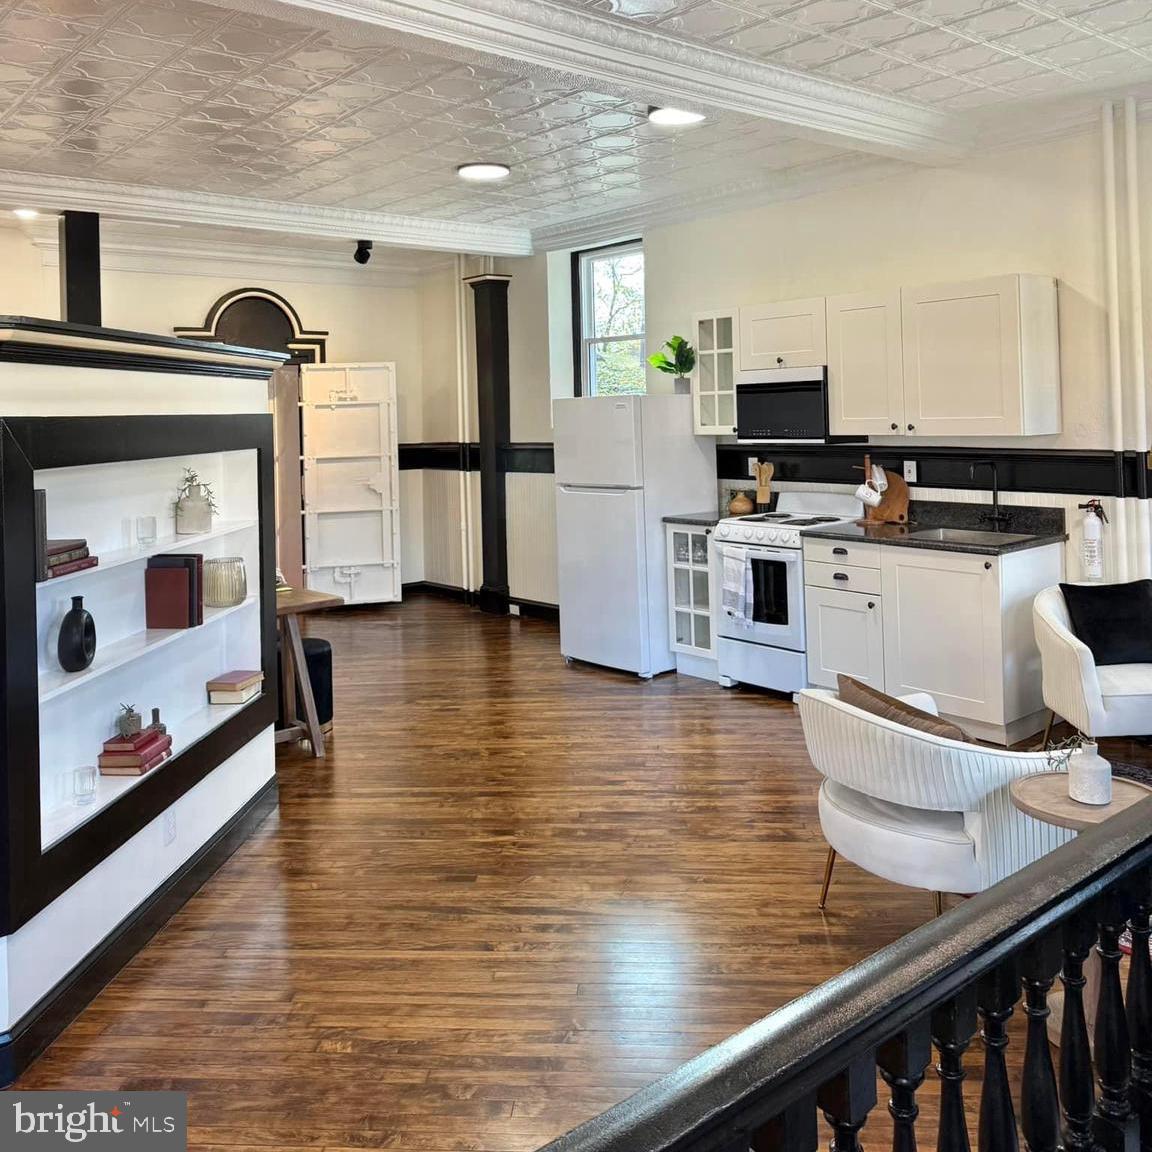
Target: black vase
[[77, 642]]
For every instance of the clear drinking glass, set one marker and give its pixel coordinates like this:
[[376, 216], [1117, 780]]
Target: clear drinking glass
[[145, 531], [84, 784]]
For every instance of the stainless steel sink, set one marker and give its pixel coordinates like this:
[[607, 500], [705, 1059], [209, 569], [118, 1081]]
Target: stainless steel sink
[[969, 536]]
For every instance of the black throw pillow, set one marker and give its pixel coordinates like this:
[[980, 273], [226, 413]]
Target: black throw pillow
[[1114, 620]]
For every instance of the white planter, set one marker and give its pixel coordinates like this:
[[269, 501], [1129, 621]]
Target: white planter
[[193, 512]]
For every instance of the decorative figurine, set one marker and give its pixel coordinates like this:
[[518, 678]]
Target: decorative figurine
[[740, 504], [129, 722], [76, 644], [195, 505], [157, 725]]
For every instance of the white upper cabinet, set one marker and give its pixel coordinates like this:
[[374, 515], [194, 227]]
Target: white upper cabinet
[[788, 335], [714, 381], [982, 358], [865, 365]]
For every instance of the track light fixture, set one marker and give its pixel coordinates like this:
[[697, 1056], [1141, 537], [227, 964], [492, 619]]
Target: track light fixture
[[363, 251]]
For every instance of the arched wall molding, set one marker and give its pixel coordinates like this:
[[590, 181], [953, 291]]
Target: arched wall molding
[[306, 346]]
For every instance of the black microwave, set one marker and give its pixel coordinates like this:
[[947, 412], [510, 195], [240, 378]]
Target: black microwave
[[783, 404]]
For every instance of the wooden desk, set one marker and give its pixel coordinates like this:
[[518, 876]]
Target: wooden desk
[[291, 604], [1045, 796]]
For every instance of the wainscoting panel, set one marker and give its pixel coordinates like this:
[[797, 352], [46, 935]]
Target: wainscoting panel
[[1127, 546], [411, 496], [443, 528], [532, 536]]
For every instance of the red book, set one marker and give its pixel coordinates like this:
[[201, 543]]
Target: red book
[[138, 743], [138, 769], [166, 603], [72, 566], [135, 759]]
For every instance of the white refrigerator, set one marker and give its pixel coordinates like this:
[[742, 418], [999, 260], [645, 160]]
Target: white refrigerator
[[622, 464]]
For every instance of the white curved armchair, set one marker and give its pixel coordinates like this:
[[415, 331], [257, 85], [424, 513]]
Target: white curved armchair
[[1110, 700], [918, 809]]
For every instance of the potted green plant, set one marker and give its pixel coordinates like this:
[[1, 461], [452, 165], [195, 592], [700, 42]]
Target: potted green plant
[[679, 363]]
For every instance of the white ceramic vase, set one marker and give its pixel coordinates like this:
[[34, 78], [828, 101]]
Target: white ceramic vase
[[1089, 776], [193, 512]]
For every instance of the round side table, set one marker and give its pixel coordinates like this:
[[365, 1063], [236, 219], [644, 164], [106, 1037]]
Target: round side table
[[1045, 796]]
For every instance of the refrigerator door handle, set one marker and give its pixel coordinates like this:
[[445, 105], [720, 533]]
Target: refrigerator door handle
[[606, 489]]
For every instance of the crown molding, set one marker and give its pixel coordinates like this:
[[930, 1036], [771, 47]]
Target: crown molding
[[166, 255], [653, 66], [790, 184], [171, 205]]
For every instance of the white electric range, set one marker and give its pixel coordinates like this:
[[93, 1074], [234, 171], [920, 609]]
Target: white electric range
[[758, 568]]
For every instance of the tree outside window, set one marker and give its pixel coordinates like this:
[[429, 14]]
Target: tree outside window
[[612, 321]]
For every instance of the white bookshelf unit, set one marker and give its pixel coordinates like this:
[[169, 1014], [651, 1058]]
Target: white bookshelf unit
[[105, 422]]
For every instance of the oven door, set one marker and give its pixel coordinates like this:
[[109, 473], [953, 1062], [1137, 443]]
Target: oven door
[[774, 613]]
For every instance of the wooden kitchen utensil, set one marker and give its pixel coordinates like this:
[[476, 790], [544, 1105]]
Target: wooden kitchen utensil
[[764, 474], [893, 506]]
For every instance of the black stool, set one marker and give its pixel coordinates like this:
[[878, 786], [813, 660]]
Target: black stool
[[318, 657]]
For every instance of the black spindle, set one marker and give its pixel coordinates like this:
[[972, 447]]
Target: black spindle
[[1114, 1125], [952, 1026], [902, 1061], [846, 1101], [1077, 1090], [794, 1130], [1039, 1104], [995, 997], [1139, 1006]]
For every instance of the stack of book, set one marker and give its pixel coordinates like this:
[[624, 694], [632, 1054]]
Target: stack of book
[[57, 557], [135, 755], [235, 687], [174, 590]]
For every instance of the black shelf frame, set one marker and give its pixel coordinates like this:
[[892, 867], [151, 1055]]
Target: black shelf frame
[[33, 877]]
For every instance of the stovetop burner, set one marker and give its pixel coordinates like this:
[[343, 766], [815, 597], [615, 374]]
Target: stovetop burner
[[762, 516]]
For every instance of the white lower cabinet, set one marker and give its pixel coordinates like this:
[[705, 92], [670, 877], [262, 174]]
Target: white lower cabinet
[[845, 635], [690, 600], [959, 627]]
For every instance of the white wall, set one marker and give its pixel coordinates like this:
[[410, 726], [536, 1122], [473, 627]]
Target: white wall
[[1033, 210], [528, 348]]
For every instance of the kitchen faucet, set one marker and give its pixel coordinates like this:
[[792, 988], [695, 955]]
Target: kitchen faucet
[[998, 517]]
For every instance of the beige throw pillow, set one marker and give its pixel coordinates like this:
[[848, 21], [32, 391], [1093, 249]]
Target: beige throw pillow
[[881, 704]]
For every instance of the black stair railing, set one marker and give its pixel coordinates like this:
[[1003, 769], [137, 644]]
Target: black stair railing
[[814, 1063]]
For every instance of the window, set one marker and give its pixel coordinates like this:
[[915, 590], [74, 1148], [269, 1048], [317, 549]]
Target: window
[[610, 320]]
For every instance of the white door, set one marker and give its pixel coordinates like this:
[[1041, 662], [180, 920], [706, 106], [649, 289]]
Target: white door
[[351, 481], [597, 441], [962, 363], [865, 365], [787, 335], [845, 635], [602, 577], [942, 630]]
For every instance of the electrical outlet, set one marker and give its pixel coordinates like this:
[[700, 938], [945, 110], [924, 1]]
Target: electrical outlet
[[910, 471], [513, 609], [752, 462], [169, 828]]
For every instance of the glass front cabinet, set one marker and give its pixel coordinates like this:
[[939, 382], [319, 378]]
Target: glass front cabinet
[[689, 593], [714, 381]]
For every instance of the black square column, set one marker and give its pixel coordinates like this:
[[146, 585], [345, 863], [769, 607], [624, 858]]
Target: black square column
[[80, 268], [491, 300]]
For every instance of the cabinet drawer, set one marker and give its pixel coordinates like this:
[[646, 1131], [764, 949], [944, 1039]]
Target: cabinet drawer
[[842, 576], [842, 552]]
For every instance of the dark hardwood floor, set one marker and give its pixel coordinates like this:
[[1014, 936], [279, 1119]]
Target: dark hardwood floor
[[513, 893]]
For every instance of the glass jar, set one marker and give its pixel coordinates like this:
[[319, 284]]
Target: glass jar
[[225, 581]]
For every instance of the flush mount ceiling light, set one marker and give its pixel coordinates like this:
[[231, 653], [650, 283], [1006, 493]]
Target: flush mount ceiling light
[[673, 117], [25, 213], [641, 7], [483, 172]]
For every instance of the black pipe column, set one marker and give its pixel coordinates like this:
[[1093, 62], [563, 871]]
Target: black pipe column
[[491, 307], [80, 268]]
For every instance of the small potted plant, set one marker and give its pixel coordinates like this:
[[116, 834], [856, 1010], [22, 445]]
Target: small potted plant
[[195, 505], [129, 722], [1089, 774], [679, 363]]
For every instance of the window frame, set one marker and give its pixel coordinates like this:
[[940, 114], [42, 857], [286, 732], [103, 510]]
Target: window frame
[[582, 259]]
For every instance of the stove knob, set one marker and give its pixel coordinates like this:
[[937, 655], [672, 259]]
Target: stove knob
[[747, 533]]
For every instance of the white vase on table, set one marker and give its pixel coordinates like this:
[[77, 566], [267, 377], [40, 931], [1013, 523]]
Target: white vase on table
[[1089, 776]]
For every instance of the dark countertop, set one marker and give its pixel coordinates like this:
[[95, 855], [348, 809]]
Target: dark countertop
[[695, 519], [898, 535]]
